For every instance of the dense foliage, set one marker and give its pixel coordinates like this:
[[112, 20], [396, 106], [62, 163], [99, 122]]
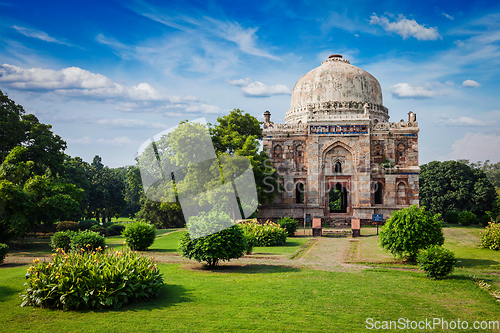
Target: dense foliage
[[409, 230], [455, 186], [86, 224], [436, 261], [115, 229], [289, 224], [67, 225], [4, 249], [92, 280], [162, 214], [61, 240], [467, 218], [490, 237], [224, 245], [221, 240], [451, 216], [139, 236], [267, 234], [87, 240]]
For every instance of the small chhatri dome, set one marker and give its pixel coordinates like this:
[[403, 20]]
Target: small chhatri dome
[[335, 88]]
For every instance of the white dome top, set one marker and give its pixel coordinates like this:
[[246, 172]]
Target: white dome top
[[336, 88]]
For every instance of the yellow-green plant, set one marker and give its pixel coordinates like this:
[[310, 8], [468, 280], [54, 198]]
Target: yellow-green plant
[[490, 237], [267, 234], [91, 280]]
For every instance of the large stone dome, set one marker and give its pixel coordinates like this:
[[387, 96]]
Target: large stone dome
[[336, 90]]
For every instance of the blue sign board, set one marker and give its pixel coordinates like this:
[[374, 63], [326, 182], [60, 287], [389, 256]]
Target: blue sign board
[[378, 217]]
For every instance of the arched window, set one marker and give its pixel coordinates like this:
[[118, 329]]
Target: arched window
[[401, 195], [338, 167], [299, 193], [379, 194], [378, 153]]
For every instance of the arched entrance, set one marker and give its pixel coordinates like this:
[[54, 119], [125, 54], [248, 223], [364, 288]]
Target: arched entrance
[[337, 199]]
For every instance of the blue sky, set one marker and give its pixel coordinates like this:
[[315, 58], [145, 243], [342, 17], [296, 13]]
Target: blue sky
[[109, 75]]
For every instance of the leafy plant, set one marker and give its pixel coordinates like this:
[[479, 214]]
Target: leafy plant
[[289, 224], [490, 237], [224, 245], [451, 216], [87, 224], [67, 225], [115, 229], [267, 234], [467, 218], [87, 240], [91, 280], [410, 229], [4, 249], [436, 261], [139, 235], [61, 240]]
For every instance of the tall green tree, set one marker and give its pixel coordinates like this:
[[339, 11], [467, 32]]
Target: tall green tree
[[454, 185]]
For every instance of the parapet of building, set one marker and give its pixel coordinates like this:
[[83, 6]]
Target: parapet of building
[[337, 155]]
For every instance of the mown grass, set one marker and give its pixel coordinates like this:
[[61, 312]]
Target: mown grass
[[261, 298]]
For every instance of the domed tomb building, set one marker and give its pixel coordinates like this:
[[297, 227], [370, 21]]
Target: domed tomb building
[[337, 154]]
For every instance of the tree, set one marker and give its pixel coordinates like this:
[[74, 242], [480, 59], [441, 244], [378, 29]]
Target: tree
[[13, 204], [229, 243], [456, 186], [410, 229]]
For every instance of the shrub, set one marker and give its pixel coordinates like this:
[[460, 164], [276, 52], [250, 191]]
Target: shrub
[[436, 261], [410, 229], [67, 225], [451, 216], [61, 240], [224, 245], [484, 220], [87, 240], [267, 234], [467, 218], [289, 224], [115, 230], [92, 280], [139, 236], [87, 224], [490, 237], [3, 252]]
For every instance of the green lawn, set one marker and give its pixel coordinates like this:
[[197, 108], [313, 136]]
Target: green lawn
[[268, 294]]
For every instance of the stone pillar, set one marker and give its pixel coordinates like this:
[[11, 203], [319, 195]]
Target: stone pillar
[[317, 230], [355, 227]]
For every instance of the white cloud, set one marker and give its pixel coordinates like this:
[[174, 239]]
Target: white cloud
[[404, 90], [118, 141], [465, 121], [39, 35], [476, 147], [121, 122], [205, 108], [471, 84], [405, 28], [77, 82], [258, 89], [448, 16]]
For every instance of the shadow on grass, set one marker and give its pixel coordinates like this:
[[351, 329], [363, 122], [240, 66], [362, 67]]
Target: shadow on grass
[[245, 268], [170, 295], [161, 250], [6, 292], [483, 263]]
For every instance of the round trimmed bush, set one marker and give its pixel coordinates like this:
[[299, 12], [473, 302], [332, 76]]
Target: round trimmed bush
[[91, 280], [224, 245], [409, 230], [451, 216], [289, 224], [436, 261], [267, 234], [466, 218], [67, 225], [115, 229], [61, 240], [490, 237], [139, 235], [87, 240], [87, 224], [4, 249]]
